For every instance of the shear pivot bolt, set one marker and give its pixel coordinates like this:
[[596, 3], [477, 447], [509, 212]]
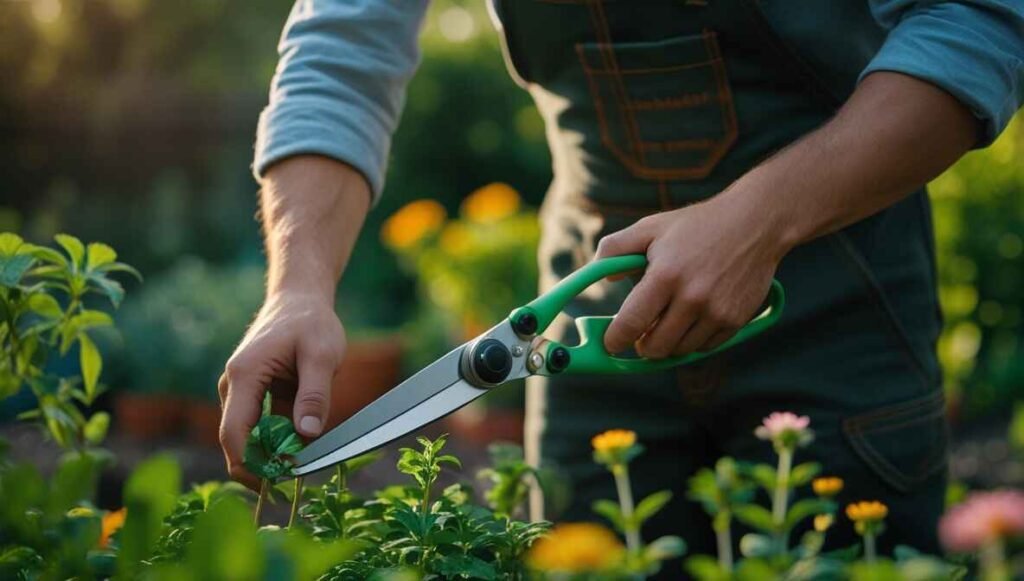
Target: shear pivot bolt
[[525, 324], [490, 363], [536, 361], [558, 359]]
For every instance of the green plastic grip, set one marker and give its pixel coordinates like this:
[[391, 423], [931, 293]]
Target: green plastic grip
[[590, 355]]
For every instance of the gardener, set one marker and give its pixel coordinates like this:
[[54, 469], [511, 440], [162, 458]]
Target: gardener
[[729, 140]]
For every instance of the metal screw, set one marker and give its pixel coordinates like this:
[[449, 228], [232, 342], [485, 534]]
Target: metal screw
[[517, 350], [536, 361]]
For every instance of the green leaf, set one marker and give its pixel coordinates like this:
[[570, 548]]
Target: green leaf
[[15, 561], [804, 473], [270, 446], [10, 243], [44, 305], [121, 267], [650, 506], [449, 459], [755, 570], [465, 567], [705, 568], [611, 511], [806, 508], [74, 482], [47, 255], [754, 546], [664, 548], [96, 428], [91, 362], [13, 268], [149, 496], [224, 544], [764, 476], [99, 254], [755, 516], [74, 247], [111, 288]]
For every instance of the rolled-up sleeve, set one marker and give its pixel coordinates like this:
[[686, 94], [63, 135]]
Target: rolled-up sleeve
[[973, 49], [340, 83]]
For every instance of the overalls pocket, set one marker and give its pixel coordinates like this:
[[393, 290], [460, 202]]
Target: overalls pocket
[[904, 443], [664, 108]]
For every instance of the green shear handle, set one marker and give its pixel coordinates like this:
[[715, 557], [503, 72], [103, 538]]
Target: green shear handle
[[590, 355]]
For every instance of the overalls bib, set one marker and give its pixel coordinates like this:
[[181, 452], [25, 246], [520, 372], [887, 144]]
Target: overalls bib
[[651, 105]]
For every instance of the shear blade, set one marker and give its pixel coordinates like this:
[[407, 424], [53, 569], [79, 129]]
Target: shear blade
[[432, 393]]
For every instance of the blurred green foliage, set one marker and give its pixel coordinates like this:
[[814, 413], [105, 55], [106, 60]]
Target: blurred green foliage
[[979, 224]]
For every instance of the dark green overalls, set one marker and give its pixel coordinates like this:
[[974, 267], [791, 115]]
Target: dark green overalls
[[655, 104]]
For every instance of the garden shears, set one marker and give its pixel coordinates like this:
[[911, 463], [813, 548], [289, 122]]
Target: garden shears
[[513, 349]]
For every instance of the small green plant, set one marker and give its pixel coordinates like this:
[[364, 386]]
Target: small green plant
[[46, 310]]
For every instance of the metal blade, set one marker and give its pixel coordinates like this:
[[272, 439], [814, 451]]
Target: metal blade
[[443, 403], [374, 418]]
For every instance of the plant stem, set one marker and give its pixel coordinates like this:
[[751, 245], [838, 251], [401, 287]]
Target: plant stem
[[992, 561], [724, 536], [869, 547], [781, 498], [295, 502], [264, 484], [625, 490], [340, 473]]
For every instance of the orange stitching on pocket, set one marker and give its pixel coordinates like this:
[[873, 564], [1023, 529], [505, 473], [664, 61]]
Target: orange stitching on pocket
[[651, 70], [679, 145], [603, 31], [684, 101], [636, 165]]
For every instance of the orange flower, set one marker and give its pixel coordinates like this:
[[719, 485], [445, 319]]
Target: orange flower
[[491, 203], [823, 522], [613, 440], [870, 511], [827, 486], [112, 522], [576, 548], [412, 223]]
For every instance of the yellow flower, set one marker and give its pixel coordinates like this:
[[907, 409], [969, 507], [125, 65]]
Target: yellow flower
[[827, 486], [456, 239], [112, 522], [491, 203], [576, 548], [613, 441], [867, 511], [412, 223], [823, 522]]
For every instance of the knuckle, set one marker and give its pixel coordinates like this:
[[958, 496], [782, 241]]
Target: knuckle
[[235, 368], [312, 399], [607, 244], [321, 353]]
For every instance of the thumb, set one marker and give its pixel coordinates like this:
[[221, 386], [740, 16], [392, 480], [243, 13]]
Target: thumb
[[316, 367]]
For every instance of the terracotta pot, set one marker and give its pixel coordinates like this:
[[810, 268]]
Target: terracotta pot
[[371, 368], [148, 416], [203, 419], [481, 425]]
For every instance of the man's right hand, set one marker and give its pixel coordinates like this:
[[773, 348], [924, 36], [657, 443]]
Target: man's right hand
[[293, 349], [312, 210]]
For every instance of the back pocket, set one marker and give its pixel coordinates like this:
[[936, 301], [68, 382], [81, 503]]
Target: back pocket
[[903, 443], [665, 108]]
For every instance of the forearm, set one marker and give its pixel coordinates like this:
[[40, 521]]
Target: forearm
[[312, 211], [893, 135]]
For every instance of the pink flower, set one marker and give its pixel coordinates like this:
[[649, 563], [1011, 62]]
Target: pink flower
[[982, 518], [779, 423]]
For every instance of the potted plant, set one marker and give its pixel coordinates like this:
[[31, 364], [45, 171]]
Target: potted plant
[[472, 271]]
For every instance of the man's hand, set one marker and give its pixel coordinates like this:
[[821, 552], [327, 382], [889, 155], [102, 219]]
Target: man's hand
[[293, 349], [312, 211], [709, 269], [710, 264]]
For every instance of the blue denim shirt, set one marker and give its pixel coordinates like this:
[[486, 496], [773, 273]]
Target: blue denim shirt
[[340, 83]]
